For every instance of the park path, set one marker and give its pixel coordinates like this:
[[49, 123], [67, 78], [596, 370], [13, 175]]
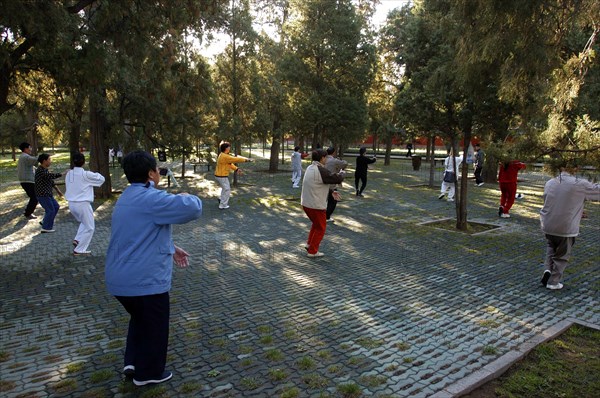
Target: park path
[[398, 308]]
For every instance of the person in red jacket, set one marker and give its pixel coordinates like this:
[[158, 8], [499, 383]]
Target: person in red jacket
[[507, 178]]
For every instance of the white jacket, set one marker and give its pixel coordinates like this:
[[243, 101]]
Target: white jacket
[[80, 184]]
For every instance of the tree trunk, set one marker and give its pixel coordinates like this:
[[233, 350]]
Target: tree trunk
[[99, 129], [388, 148], [431, 157], [461, 219]]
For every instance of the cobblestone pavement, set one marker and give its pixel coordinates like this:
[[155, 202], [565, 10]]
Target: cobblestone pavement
[[394, 309]]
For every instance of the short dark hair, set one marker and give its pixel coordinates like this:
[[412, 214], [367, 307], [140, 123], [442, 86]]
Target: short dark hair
[[224, 145], [330, 150], [362, 150], [318, 154], [78, 159], [42, 157], [23, 146], [137, 165], [477, 144], [296, 148]]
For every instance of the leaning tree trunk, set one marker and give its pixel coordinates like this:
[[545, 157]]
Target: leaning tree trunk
[[431, 157], [277, 142], [99, 129]]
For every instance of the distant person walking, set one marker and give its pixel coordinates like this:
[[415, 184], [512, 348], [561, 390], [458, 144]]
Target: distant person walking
[[225, 165], [451, 167], [79, 192], [334, 165], [44, 184], [315, 189], [478, 164], [26, 175], [409, 148], [362, 166], [120, 156], [139, 264], [296, 167], [560, 218], [507, 179]]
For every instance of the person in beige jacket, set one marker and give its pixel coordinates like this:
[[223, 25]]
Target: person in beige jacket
[[226, 165]]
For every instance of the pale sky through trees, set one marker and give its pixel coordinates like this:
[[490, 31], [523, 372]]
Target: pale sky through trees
[[216, 47]]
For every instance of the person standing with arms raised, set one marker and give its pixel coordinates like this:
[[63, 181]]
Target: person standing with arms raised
[[139, 263], [315, 189], [362, 165], [25, 172], [225, 165], [79, 193]]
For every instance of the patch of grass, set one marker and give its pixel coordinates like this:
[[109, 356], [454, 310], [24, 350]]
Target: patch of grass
[[391, 368], [488, 323], [4, 356], [6, 385], [490, 350], [368, 342], [306, 363], [213, 373], [264, 329], [324, 354], [314, 380], [95, 393], [108, 358], [407, 360], [402, 346], [75, 367], [335, 369], [190, 388], [274, 355], [276, 374], [245, 349], [101, 375], [372, 380], [250, 383], [246, 362], [290, 392], [115, 344], [349, 390], [52, 358], [268, 339], [86, 350], [220, 342], [567, 366], [155, 392], [65, 386]]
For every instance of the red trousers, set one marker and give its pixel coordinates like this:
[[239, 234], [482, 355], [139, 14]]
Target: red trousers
[[509, 191], [317, 230]]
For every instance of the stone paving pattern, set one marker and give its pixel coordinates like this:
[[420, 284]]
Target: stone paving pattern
[[396, 308]]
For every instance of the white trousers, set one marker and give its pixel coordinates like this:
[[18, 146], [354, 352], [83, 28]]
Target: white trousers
[[84, 214], [445, 186], [296, 176], [225, 190]]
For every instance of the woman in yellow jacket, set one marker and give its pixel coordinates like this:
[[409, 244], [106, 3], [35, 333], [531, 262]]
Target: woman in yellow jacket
[[225, 164]]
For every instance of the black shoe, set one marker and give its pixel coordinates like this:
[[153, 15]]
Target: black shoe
[[129, 371], [30, 216], [500, 211], [546, 277]]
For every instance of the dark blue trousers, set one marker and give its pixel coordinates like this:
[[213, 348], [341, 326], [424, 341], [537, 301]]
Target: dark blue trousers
[[148, 335]]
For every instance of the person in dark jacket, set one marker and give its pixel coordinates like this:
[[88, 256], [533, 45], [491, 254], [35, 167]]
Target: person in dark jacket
[[362, 165], [44, 184]]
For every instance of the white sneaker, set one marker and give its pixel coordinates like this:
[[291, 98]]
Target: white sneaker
[[164, 377], [223, 207], [317, 254], [330, 220], [558, 286], [480, 184], [505, 215], [441, 195], [450, 200], [47, 231]]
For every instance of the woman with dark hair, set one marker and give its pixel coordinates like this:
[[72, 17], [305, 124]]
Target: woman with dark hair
[[507, 179], [44, 183], [225, 165], [362, 165], [139, 264]]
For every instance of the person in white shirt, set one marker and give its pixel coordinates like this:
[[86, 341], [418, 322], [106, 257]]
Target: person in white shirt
[[451, 166], [80, 195], [296, 167]]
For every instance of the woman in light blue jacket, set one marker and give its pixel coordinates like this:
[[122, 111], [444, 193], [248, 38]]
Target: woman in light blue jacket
[[139, 263]]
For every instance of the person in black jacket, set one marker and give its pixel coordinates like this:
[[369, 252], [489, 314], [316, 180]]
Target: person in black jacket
[[362, 165]]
